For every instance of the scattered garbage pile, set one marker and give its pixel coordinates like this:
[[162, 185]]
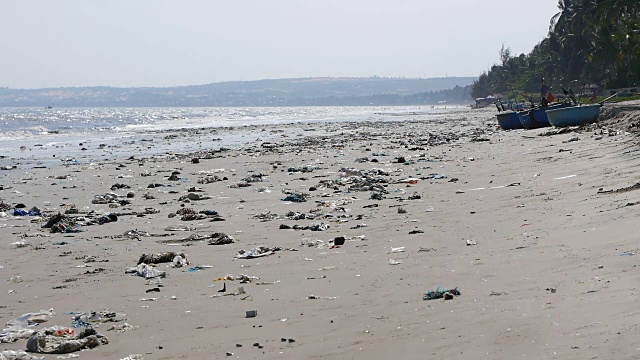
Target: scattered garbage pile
[[91, 318], [441, 294], [358, 180], [17, 355], [53, 341], [303, 169], [209, 179], [165, 257], [21, 327], [4, 206], [257, 252], [62, 223], [110, 198], [295, 196], [102, 219], [34, 211], [266, 216], [193, 197], [146, 271], [254, 178], [189, 214], [213, 239], [220, 239], [313, 227]]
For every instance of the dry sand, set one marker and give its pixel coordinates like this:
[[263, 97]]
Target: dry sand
[[538, 208]]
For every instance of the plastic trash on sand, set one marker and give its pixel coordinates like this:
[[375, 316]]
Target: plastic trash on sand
[[165, 257], [256, 252], [30, 319], [133, 357], [440, 293], [89, 318], [46, 342], [179, 261], [295, 196], [221, 239], [410, 181], [122, 327], [17, 355], [20, 328], [316, 243], [145, 271]]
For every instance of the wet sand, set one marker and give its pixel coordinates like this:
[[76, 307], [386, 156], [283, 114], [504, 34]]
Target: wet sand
[[536, 232]]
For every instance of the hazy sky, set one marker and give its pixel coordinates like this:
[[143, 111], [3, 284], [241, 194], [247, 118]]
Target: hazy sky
[[51, 43]]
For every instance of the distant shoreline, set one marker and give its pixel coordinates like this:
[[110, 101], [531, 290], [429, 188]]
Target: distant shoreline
[[264, 93]]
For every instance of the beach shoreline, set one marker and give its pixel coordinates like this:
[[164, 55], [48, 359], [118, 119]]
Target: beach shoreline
[[31, 136], [536, 232]]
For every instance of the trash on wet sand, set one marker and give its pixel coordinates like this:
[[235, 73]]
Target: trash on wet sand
[[133, 357], [17, 355], [314, 297], [33, 212], [61, 223], [157, 258], [221, 239], [295, 196], [440, 293], [21, 327], [214, 239], [179, 228], [243, 279], [257, 252], [145, 271], [252, 313], [46, 342], [194, 197], [90, 318], [199, 267], [122, 327], [30, 319]]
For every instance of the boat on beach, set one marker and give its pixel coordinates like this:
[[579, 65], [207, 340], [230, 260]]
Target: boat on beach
[[508, 120], [537, 117], [574, 116]]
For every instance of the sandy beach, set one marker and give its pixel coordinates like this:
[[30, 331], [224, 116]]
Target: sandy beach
[[535, 229]]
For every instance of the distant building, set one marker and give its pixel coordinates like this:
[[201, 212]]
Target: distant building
[[484, 102]]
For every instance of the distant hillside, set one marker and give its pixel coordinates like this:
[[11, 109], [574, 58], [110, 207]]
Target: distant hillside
[[281, 92]]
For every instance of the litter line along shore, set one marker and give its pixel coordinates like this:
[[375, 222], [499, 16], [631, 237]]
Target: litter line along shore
[[356, 240]]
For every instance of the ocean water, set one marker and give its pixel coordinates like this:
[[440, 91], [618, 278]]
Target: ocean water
[[45, 137]]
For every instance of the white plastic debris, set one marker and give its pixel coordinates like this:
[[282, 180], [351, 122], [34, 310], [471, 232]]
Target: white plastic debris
[[145, 271]]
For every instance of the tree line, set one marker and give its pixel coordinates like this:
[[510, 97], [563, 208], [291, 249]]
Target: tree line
[[590, 42]]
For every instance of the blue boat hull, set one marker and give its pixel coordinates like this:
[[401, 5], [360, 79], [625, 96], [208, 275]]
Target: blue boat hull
[[509, 120], [537, 118], [574, 116]]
